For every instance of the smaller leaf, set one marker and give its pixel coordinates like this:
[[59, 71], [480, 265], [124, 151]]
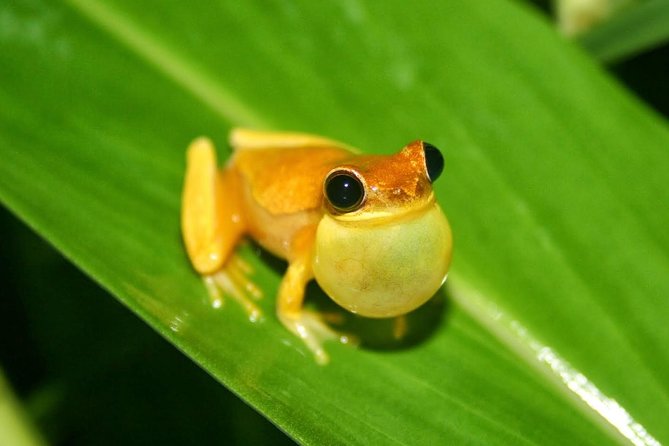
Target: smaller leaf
[[15, 427], [634, 30]]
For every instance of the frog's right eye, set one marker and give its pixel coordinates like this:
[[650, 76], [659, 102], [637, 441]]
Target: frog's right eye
[[344, 190], [434, 161]]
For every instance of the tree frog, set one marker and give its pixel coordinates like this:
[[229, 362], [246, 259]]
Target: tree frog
[[367, 228]]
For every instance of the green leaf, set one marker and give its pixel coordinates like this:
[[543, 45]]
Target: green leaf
[[552, 327], [15, 428], [635, 29]]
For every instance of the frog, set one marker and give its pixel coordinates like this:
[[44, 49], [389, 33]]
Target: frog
[[366, 227]]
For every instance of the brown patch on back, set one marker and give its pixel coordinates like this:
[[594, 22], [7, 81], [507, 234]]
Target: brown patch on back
[[285, 181]]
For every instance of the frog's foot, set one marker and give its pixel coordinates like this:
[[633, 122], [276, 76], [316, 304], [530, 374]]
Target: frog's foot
[[309, 326], [232, 281]]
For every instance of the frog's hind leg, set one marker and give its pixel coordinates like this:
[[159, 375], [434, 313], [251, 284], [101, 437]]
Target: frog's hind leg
[[212, 223]]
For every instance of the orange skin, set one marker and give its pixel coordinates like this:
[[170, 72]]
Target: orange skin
[[272, 189]]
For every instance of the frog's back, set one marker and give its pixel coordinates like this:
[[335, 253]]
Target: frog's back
[[284, 171]]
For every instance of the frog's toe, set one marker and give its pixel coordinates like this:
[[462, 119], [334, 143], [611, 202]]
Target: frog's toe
[[309, 327], [239, 270], [400, 327], [232, 281], [334, 317]]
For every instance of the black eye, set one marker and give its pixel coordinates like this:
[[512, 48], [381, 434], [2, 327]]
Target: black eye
[[434, 161], [344, 191]]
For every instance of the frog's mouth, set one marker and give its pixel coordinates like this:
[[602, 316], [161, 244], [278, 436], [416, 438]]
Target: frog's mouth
[[387, 214]]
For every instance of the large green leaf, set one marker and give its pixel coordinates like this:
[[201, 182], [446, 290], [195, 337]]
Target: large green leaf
[[555, 187]]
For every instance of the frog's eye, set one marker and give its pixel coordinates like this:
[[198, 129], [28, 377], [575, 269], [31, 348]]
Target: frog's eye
[[434, 161], [344, 190]]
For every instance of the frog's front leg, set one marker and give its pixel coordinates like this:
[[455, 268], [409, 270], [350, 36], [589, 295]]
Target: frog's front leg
[[212, 223], [305, 324]]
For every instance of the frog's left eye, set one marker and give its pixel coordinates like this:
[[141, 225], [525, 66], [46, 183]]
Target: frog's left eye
[[434, 161], [344, 190]]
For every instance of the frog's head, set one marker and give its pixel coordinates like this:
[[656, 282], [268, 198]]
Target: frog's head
[[383, 247]]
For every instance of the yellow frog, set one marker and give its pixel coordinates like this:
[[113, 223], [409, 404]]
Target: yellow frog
[[367, 228]]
